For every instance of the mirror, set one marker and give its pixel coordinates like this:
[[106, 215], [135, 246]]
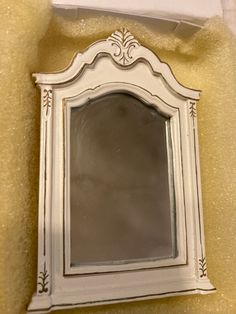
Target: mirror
[[120, 211], [120, 199]]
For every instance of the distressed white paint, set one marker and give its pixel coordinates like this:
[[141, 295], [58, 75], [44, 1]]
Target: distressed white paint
[[107, 66]]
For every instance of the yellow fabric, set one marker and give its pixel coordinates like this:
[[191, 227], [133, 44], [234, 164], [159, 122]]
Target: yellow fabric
[[206, 61]]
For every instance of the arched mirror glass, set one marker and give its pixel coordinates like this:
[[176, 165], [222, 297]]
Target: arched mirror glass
[[121, 198]]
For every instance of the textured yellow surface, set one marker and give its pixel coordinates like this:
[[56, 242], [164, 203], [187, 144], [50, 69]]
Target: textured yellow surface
[[22, 24], [205, 62]]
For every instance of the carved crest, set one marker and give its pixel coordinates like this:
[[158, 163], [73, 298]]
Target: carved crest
[[124, 41]]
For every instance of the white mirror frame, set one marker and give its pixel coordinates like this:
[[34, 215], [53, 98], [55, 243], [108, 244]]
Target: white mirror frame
[[117, 64]]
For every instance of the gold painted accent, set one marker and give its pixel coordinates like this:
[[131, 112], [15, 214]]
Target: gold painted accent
[[47, 100], [193, 109], [203, 268], [43, 280]]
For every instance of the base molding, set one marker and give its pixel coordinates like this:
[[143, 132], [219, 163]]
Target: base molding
[[46, 304]]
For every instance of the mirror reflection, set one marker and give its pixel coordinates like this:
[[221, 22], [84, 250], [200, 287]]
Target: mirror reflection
[[119, 183]]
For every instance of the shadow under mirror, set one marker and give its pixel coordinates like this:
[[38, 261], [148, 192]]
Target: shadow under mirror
[[120, 205]]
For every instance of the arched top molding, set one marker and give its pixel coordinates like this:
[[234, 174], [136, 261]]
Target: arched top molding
[[125, 51]]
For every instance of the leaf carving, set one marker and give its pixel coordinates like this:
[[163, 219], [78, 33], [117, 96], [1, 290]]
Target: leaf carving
[[47, 100], [193, 110], [202, 268], [124, 41], [43, 280]]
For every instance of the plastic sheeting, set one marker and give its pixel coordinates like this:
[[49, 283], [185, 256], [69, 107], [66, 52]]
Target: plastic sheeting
[[194, 11]]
